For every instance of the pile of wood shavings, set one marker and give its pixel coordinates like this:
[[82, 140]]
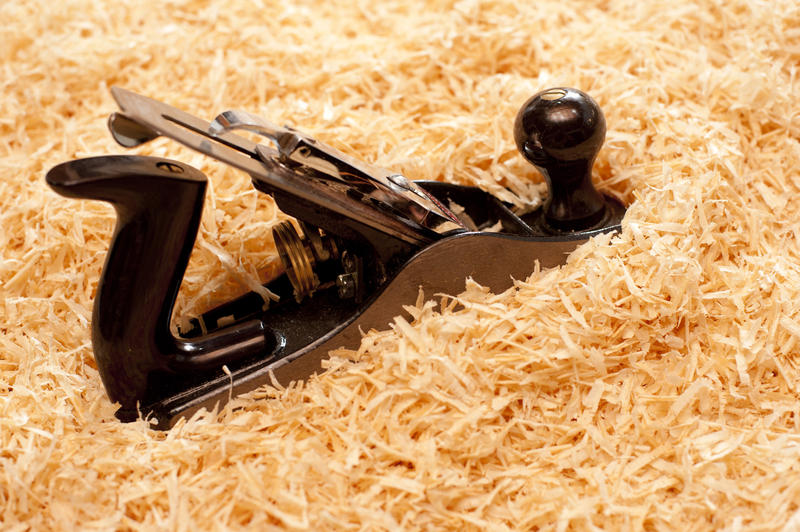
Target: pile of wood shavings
[[652, 382]]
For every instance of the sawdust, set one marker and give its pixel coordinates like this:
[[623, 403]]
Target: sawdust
[[652, 382]]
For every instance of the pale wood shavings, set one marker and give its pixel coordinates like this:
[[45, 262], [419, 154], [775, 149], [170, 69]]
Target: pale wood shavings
[[652, 382]]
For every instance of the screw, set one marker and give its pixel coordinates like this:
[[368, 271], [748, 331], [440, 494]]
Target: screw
[[346, 283], [400, 181]]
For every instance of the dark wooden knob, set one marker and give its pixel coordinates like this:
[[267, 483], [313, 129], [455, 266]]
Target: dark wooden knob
[[560, 131]]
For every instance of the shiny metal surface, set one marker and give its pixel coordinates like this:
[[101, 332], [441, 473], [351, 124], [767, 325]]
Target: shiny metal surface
[[410, 215], [376, 183]]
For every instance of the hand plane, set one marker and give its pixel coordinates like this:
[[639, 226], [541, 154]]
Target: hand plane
[[363, 242]]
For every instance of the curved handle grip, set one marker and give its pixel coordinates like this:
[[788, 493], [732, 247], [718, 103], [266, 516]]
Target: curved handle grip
[[159, 204]]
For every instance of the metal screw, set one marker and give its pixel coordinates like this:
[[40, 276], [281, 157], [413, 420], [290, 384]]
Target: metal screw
[[400, 181], [346, 283]]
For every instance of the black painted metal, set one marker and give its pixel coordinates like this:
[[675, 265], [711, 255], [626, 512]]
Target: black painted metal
[[491, 259]]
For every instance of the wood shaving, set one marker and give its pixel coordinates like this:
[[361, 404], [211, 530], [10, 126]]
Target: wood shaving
[[652, 382]]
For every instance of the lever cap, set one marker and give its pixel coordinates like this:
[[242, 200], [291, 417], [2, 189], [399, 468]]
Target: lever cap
[[560, 131]]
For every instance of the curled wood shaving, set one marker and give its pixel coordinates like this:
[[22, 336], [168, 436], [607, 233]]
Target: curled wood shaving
[[651, 382]]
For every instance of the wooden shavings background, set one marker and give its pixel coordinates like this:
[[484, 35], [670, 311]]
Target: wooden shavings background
[[652, 382]]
